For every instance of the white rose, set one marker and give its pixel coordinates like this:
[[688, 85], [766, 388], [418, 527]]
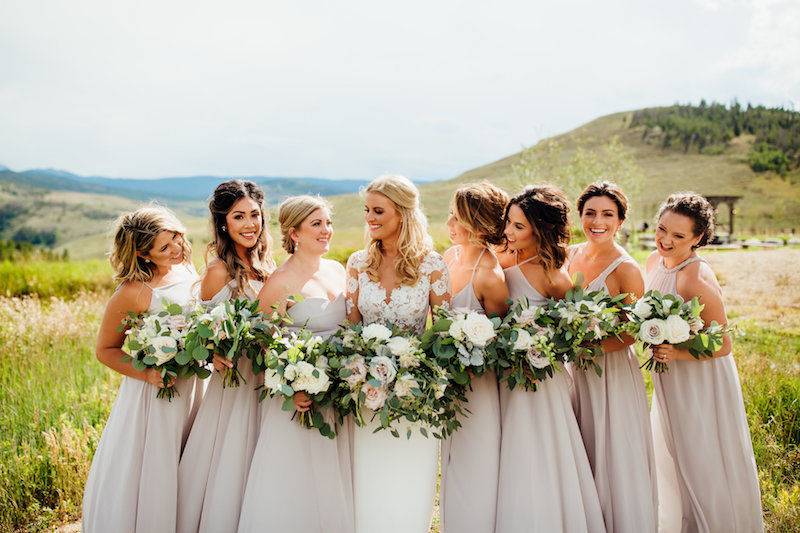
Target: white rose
[[290, 372], [404, 384], [375, 396], [653, 331], [176, 322], [643, 309], [272, 380], [382, 368], [159, 343], [678, 330], [358, 370], [696, 324], [536, 359], [457, 329], [478, 329], [400, 346], [377, 332], [307, 381], [523, 341]]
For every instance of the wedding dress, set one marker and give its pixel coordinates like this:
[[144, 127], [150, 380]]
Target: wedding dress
[[394, 479]]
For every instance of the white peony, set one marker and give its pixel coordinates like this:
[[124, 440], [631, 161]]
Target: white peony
[[272, 380], [524, 340], [375, 396], [290, 372], [382, 368], [358, 370], [307, 381], [678, 330], [404, 384], [160, 343], [377, 332], [653, 331], [478, 329], [643, 309]]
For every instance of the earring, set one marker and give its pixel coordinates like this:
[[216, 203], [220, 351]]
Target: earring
[[224, 228], [297, 244], [146, 260]]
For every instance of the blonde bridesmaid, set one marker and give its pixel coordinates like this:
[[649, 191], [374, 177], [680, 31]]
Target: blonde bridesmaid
[[545, 482], [471, 457], [214, 466], [707, 477], [612, 409], [132, 484], [299, 480]]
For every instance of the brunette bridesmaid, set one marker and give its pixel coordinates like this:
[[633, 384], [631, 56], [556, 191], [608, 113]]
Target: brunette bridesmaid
[[214, 466], [132, 484], [471, 457], [612, 408], [707, 477]]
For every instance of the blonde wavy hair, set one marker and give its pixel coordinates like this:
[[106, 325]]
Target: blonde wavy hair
[[413, 243], [221, 202], [134, 234], [480, 207], [293, 211]]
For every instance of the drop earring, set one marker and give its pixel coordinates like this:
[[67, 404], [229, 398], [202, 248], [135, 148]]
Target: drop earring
[[224, 228]]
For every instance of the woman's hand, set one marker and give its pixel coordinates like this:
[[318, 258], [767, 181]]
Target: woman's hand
[[302, 402], [664, 353], [153, 377], [221, 363]]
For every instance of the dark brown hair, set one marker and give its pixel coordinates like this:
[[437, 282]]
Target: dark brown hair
[[697, 208], [225, 196], [609, 190], [546, 209], [480, 207]]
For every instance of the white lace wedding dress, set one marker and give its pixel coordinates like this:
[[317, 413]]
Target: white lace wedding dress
[[394, 478]]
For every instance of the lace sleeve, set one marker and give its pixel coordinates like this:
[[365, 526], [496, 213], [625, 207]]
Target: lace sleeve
[[435, 268], [354, 264]]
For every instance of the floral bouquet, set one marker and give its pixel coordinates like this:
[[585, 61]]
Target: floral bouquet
[[658, 318], [296, 362], [526, 349], [385, 372], [583, 319], [230, 329], [157, 340], [461, 340]]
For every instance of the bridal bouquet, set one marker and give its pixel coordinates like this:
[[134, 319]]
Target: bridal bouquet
[[582, 320], [526, 349], [385, 372], [461, 340], [658, 318], [157, 340], [295, 363], [228, 329]]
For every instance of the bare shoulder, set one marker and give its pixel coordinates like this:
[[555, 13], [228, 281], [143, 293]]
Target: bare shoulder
[[698, 279], [628, 270], [559, 283], [652, 259], [506, 259], [131, 296], [214, 279]]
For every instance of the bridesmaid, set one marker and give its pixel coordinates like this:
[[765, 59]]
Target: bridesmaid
[[471, 457], [214, 466], [707, 478], [612, 408], [299, 480], [545, 479], [132, 482]]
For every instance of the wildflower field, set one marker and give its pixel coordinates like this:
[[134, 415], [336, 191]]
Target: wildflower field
[[55, 396]]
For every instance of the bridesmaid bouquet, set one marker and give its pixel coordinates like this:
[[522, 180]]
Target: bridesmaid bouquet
[[228, 329], [461, 340], [658, 318], [385, 372], [157, 340], [296, 362], [526, 345], [583, 319]]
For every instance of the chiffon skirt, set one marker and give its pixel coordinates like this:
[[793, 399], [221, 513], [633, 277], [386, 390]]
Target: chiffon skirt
[[545, 482], [300, 481], [132, 485], [613, 417], [471, 461]]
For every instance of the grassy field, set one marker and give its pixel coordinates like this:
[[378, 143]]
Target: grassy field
[[56, 396]]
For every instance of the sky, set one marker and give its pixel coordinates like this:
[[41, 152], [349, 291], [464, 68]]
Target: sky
[[357, 88]]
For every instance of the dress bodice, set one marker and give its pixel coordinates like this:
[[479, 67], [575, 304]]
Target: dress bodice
[[226, 292], [664, 279], [466, 298], [319, 315], [519, 286], [599, 283], [407, 305], [178, 292]]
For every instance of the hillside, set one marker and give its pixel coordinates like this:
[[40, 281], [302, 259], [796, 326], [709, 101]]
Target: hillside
[[609, 146]]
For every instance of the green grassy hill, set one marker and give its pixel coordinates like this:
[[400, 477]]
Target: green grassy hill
[[609, 146]]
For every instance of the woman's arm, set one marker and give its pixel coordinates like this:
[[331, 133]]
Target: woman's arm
[[493, 291], [351, 288], [629, 281]]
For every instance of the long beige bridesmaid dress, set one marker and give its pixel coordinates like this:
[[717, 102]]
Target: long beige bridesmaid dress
[[613, 417], [471, 456], [707, 477]]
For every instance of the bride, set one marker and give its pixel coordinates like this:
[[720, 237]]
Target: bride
[[395, 280]]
